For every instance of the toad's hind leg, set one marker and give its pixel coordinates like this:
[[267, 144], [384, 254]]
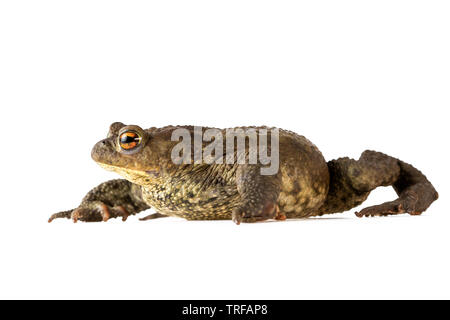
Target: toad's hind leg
[[352, 180]]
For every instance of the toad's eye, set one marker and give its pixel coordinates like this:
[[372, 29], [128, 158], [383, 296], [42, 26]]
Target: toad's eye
[[129, 140]]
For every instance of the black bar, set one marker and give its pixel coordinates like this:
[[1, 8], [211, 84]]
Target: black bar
[[221, 309]]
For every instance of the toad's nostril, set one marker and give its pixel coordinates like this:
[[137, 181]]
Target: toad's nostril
[[105, 143]]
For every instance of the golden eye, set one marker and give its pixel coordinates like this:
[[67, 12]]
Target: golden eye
[[129, 140]]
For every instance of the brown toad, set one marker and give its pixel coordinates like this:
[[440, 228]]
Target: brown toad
[[304, 185]]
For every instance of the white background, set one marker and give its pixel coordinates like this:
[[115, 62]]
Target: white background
[[349, 75]]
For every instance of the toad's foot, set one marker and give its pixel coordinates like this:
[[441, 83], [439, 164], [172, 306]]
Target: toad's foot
[[409, 202], [248, 214], [385, 209], [92, 212], [280, 215]]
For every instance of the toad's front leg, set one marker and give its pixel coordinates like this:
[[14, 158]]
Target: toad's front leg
[[111, 199], [259, 194]]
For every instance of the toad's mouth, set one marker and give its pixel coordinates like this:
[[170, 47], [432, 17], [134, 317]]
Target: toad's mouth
[[136, 176]]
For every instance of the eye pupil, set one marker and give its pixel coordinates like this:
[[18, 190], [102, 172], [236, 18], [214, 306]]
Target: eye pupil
[[129, 140], [126, 139]]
